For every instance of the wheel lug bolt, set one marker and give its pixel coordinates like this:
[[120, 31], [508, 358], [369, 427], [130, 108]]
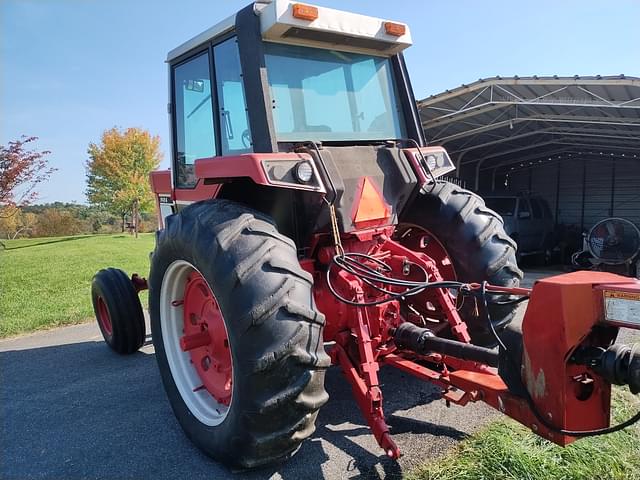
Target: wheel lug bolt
[[206, 363]]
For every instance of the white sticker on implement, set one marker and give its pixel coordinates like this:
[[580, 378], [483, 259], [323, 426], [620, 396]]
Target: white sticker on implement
[[622, 308]]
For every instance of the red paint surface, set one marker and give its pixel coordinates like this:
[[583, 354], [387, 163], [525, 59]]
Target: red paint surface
[[414, 158], [248, 165], [560, 316], [561, 313], [199, 192], [206, 340], [103, 317], [161, 181]]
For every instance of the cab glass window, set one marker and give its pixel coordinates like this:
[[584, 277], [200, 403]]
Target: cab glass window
[[234, 121], [329, 95], [195, 133]]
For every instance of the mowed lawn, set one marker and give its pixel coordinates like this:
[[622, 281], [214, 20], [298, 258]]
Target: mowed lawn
[[46, 282], [507, 450]]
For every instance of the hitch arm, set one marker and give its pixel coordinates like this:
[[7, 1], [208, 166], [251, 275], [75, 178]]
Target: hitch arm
[[373, 415]]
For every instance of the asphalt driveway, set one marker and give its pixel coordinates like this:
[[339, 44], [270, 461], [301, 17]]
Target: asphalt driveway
[[73, 409], [70, 408]]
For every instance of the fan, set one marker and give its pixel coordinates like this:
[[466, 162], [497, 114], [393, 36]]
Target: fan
[[614, 241]]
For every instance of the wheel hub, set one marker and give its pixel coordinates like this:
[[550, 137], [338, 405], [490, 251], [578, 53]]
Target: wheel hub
[[420, 240], [205, 338], [103, 317]]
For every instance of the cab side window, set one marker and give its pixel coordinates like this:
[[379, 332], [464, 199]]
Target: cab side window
[[195, 133], [232, 107]]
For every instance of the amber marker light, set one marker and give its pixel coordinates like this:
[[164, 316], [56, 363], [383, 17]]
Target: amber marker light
[[395, 29], [305, 12]]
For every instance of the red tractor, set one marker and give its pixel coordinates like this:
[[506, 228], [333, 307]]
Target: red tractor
[[304, 224]]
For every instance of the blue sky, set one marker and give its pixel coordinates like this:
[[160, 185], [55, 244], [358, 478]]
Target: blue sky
[[73, 68]]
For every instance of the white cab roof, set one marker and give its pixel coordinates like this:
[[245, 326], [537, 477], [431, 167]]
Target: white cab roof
[[362, 33]]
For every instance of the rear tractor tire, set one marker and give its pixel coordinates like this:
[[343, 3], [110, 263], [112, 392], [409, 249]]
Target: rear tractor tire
[[118, 310], [237, 336], [472, 245]]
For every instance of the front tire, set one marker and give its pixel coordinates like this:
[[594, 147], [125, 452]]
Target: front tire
[[274, 333], [118, 310]]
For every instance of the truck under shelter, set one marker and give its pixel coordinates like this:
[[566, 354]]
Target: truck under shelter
[[573, 140]]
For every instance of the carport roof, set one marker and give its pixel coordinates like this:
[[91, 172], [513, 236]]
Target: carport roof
[[509, 123]]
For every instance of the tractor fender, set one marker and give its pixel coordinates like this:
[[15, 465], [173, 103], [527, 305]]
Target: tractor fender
[[269, 169]]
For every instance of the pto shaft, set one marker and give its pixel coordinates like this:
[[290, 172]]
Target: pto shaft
[[619, 364], [422, 341]]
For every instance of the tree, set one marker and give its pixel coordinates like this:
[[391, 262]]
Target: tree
[[118, 172], [21, 171], [17, 224], [54, 222]]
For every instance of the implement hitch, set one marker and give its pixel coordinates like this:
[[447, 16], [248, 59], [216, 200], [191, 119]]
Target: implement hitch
[[553, 373]]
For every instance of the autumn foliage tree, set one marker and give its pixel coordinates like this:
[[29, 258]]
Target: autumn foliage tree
[[19, 223], [118, 172], [21, 170], [55, 222]]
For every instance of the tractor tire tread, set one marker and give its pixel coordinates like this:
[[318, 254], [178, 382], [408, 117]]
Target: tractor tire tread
[[125, 310], [280, 382], [267, 307], [475, 239]]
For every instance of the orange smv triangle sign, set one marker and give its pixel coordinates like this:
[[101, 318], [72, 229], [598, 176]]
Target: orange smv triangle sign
[[371, 206]]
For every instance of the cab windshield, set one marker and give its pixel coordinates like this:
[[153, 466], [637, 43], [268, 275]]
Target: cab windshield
[[327, 95]]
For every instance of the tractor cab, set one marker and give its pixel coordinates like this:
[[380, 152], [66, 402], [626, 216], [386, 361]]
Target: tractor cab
[[308, 73], [308, 82]]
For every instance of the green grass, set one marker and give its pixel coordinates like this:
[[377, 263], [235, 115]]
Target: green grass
[[506, 450], [46, 282]]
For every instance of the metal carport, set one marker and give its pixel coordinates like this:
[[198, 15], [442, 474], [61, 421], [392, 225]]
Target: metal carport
[[575, 140]]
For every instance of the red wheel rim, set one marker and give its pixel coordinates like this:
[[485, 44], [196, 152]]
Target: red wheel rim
[[421, 240], [206, 339], [104, 319]]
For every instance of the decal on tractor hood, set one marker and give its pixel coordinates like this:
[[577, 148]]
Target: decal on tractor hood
[[622, 308]]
